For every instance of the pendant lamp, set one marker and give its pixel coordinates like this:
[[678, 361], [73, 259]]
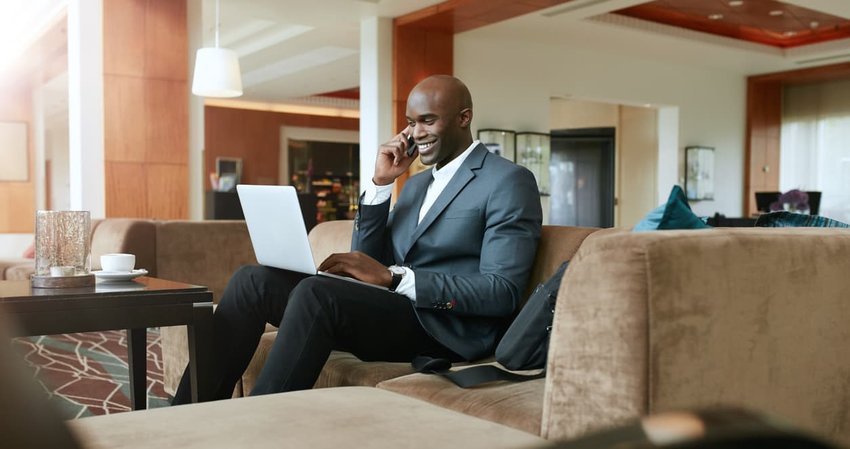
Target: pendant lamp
[[217, 69]]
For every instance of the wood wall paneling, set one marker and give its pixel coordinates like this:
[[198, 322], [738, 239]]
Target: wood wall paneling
[[167, 187], [166, 118], [17, 198], [124, 118], [126, 189], [146, 129], [124, 36], [809, 75], [166, 40], [457, 16], [764, 122], [254, 136], [18, 202]]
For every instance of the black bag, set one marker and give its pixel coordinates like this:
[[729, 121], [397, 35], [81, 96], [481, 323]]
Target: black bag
[[523, 347]]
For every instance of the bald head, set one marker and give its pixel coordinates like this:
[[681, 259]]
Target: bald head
[[444, 89], [439, 112]]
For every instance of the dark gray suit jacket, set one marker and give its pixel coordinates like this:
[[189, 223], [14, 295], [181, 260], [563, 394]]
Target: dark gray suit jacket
[[472, 253]]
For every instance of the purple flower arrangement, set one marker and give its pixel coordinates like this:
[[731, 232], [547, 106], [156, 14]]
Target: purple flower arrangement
[[794, 200]]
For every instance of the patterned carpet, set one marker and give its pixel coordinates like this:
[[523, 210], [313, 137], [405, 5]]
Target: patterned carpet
[[86, 374]]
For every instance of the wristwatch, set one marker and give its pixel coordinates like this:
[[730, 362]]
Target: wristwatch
[[398, 273]]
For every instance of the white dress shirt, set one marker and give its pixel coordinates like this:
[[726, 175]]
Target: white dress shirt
[[376, 194]]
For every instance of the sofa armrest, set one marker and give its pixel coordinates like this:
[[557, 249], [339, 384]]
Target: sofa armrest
[[651, 322], [596, 366], [16, 269]]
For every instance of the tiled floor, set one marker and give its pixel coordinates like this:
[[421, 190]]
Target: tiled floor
[[86, 374]]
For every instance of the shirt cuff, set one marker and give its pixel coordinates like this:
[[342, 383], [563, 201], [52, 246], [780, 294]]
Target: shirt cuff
[[376, 194], [407, 286]]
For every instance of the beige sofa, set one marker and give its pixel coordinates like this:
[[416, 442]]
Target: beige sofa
[[645, 322], [649, 322]]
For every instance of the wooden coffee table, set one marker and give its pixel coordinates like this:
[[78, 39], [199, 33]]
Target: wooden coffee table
[[132, 305]]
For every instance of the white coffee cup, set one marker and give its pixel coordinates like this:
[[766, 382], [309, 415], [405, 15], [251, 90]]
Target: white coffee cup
[[118, 262]]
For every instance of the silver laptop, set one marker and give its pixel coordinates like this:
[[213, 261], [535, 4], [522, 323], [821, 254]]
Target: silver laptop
[[277, 230]]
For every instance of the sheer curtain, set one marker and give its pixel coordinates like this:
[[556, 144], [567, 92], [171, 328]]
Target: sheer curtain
[[815, 145]]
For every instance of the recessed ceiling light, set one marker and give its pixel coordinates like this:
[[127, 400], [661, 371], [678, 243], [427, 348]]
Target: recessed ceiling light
[[715, 16], [736, 2], [814, 24], [776, 12], [789, 33]]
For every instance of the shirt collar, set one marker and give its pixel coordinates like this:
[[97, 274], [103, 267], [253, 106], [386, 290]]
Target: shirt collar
[[448, 170]]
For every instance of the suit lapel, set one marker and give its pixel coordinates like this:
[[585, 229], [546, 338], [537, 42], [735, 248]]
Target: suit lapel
[[460, 179]]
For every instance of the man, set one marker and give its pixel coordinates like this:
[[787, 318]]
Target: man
[[460, 243]]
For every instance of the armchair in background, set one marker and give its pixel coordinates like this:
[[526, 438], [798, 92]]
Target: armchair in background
[[765, 199]]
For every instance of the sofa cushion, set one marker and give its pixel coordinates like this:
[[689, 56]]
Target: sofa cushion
[[674, 214], [341, 370], [330, 418], [202, 252], [515, 404]]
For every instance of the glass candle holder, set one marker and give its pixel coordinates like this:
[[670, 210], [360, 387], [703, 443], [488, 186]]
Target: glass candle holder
[[62, 243]]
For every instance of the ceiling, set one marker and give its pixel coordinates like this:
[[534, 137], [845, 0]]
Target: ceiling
[[767, 22], [292, 50], [307, 52]]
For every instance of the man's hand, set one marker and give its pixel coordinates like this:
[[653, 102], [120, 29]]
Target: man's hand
[[392, 159], [359, 266]]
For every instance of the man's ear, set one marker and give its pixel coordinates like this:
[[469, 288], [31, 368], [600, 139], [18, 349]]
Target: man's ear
[[465, 117]]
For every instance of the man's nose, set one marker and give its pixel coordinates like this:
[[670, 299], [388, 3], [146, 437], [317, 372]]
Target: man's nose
[[418, 131]]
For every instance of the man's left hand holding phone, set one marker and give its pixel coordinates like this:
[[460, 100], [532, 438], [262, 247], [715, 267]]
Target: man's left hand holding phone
[[394, 157]]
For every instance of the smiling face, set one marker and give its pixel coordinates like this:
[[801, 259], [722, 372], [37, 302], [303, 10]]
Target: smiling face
[[439, 112]]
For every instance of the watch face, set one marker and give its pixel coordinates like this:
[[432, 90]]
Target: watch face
[[395, 269]]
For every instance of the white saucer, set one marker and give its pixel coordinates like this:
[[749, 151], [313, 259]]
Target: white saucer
[[118, 276]]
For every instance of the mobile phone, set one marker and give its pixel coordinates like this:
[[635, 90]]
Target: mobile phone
[[411, 145]]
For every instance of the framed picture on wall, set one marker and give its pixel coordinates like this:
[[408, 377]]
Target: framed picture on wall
[[13, 148], [699, 173], [230, 167]]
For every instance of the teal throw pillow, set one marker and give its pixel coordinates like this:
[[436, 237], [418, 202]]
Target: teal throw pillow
[[675, 214], [785, 219]]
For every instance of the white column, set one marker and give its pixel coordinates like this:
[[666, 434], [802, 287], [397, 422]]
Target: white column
[[85, 106], [196, 115], [668, 152], [38, 132], [375, 92]]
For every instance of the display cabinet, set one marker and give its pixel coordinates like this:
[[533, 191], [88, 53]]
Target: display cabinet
[[533, 151]]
